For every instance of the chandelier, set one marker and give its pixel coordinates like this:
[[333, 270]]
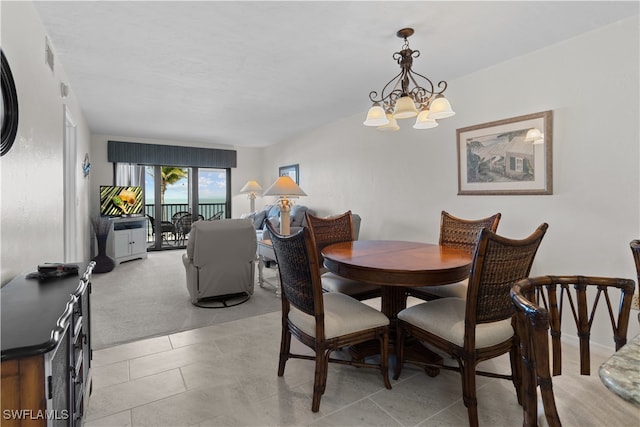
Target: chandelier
[[404, 97]]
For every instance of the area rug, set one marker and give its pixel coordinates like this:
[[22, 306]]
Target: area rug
[[148, 297]]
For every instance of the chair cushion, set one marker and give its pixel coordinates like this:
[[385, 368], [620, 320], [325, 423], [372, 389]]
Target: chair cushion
[[334, 283], [297, 215], [582, 400], [342, 315], [457, 290], [258, 219], [445, 318]]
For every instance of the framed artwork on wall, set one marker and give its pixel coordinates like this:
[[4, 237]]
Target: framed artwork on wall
[[292, 171], [506, 157]]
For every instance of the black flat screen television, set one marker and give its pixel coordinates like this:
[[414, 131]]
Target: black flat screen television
[[121, 201]]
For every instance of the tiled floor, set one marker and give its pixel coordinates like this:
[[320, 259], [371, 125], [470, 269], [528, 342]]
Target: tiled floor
[[226, 375]]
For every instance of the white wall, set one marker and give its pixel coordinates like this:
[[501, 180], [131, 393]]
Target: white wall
[[400, 182], [32, 172]]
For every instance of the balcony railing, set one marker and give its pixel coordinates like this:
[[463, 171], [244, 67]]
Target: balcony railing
[[207, 210]]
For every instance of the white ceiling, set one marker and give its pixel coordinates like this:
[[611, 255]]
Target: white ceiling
[[256, 73]]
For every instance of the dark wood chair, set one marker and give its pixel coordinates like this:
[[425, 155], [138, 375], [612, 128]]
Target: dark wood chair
[[216, 216], [635, 250], [326, 321], [183, 226], [337, 229], [166, 227], [462, 234], [540, 304], [480, 327]]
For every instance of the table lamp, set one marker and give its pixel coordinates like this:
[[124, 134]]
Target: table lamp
[[284, 187], [251, 187]]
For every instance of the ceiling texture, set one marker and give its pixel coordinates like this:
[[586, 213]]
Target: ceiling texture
[[253, 74]]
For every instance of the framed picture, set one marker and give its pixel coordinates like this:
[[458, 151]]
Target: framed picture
[[511, 156], [292, 170]]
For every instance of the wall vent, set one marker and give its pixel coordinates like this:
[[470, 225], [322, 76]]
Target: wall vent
[[48, 53]]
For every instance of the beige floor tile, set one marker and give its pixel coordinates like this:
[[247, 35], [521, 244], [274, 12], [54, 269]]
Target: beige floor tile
[[107, 356], [226, 375], [183, 409], [172, 359], [121, 419], [363, 413], [120, 397], [106, 375], [419, 396]]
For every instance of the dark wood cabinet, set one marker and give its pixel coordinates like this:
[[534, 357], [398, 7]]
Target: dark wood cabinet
[[46, 350]]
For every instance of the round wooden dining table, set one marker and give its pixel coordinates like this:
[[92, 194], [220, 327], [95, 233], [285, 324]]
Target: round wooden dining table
[[395, 266]]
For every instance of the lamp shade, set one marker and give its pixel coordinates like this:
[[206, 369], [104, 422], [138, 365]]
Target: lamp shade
[[376, 116], [440, 108], [392, 126], [534, 135], [251, 187], [405, 108], [424, 121], [284, 186]]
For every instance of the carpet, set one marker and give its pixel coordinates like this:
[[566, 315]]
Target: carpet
[[147, 298]]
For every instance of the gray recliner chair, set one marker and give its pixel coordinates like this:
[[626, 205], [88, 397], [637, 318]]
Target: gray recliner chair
[[220, 262]]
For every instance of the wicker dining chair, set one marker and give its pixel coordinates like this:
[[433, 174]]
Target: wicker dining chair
[[580, 400], [462, 234], [480, 327], [635, 250], [337, 229], [322, 321]]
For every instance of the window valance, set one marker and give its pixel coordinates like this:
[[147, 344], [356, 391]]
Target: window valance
[[170, 155]]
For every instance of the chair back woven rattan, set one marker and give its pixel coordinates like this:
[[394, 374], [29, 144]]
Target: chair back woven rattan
[[297, 260], [498, 262], [327, 231], [297, 263], [337, 229], [540, 303], [635, 250], [462, 233]]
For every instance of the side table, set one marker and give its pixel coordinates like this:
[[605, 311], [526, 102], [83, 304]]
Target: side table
[[265, 250]]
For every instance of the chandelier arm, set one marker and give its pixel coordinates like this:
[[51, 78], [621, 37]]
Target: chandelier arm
[[400, 86], [373, 94], [442, 84], [430, 89]]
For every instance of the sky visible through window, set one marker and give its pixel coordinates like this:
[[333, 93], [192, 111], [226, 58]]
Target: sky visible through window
[[212, 187]]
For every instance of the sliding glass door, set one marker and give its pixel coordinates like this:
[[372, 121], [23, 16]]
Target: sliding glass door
[[177, 196]]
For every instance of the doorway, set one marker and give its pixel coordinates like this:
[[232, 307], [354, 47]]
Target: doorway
[[70, 186]]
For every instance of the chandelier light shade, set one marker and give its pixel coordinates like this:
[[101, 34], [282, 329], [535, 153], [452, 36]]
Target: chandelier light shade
[[424, 120], [376, 116], [535, 136], [405, 108], [391, 126], [440, 108], [408, 94], [283, 188], [251, 188]]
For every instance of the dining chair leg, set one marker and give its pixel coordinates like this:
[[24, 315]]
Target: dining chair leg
[[400, 334], [384, 358], [320, 379], [468, 374], [516, 371], [285, 349]]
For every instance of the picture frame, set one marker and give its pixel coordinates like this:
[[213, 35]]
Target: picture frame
[[507, 157], [292, 171]]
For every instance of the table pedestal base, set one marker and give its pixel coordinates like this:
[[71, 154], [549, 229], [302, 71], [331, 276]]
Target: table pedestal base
[[394, 300]]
